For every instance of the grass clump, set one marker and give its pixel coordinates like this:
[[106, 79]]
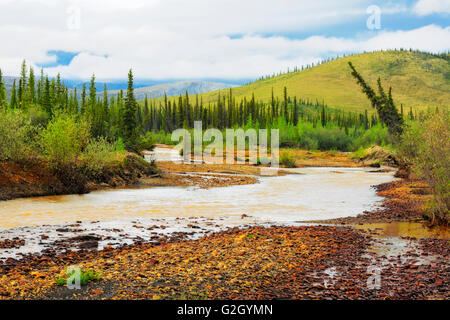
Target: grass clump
[[359, 154], [287, 159], [85, 276]]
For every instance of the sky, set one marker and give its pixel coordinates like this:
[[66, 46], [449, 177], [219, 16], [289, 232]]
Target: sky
[[227, 40]]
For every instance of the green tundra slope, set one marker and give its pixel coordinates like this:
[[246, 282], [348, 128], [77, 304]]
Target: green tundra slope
[[419, 80]]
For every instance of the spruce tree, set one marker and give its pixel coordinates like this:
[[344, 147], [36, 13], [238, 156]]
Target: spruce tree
[[13, 101], [295, 113], [105, 102], [383, 103], [20, 94], [83, 99], [75, 100], [40, 88], [2, 93], [129, 116], [323, 117], [92, 98], [47, 100], [22, 85], [285, 105], [32, 87], [272, 104]]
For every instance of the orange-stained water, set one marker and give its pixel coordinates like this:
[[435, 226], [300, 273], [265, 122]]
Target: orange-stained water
[[318, 193], [406, 229]]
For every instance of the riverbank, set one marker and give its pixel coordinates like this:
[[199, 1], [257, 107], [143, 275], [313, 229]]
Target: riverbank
[[35, 178]]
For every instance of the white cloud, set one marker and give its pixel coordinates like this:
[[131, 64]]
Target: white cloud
[[426, 7], [164, 39]]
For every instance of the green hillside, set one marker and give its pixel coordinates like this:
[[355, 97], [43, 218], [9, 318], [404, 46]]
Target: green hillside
[[418, 80]]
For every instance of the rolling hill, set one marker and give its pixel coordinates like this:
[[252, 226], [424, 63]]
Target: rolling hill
[[418, 80]]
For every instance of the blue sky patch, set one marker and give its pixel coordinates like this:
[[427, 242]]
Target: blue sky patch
[[63, 58]]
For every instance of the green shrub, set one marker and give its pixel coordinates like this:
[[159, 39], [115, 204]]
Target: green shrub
[[15, 136], [120, 146], [325, 139], [287, 159], [146, 142], [309, 143], [38, 117], [96, 155], [425, 148], [359, 154], [63, 139], [377, 135]]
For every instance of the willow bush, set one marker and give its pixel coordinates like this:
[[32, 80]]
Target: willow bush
[[64, 138], [425, 147], [97, 154], [15, 136]]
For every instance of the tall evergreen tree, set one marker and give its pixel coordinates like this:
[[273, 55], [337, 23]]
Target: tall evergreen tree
[[75, 101], [383, 103], [40, 88], [83, 99], [295, 113], [22, 92], [285, 105], [92, 97], [129, 115], [2, 93], [272, 104], [47, 100], [13, 100], [31, 87], [105, 99], [323, 117]]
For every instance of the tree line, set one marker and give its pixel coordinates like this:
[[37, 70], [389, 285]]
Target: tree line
[[229, 112], [42, 98], [121, 116]]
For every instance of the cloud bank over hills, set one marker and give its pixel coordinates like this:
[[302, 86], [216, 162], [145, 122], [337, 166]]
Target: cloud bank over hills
[[173, 40]]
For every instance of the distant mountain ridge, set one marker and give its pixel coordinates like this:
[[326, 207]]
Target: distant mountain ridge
[[176, 88], [156, 91], [8, 81]]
